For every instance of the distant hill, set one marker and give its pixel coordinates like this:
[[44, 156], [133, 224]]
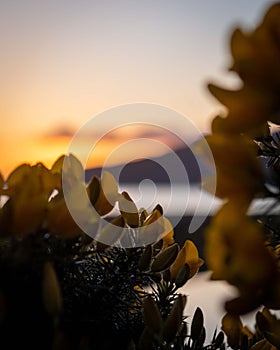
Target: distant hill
[[156, 169]]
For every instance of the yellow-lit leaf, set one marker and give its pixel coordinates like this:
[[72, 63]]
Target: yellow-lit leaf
[[58, 165], [152, 228], [128, 210], [187, 255], [143, 215], [108, 194], [232, 326], [168, 234], [262, 345], [72, 168], [59, 221], [93, 189], [18, 175], [112, 231]]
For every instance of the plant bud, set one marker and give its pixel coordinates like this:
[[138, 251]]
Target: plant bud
[[129, 210], [165, 258], [151, 315], [146, 258], [174, 320], [182, 276]]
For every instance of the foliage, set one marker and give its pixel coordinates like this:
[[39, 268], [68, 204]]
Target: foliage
[[246, 249], [61, 288]]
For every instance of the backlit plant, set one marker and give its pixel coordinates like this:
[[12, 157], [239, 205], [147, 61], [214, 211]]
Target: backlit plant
[[61, 288], [246, 250]]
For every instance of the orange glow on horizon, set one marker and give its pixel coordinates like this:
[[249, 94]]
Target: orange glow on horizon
[[47, 149]]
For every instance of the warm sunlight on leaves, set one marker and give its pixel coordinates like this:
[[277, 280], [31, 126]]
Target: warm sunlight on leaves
[[187, 255]]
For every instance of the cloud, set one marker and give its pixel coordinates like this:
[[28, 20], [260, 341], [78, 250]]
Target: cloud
[[115, 136], [59, 132]]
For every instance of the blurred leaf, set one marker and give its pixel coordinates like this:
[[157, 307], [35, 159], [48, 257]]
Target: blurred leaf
[[61, 341], [273, 338], [6, 219], [262, 345], [187, 255], [51, 292], [232, 326], [131, 345], [1, 182], [146, 340], [72, 167], [93, 189], [108, 194], [112, 231], [58, 165], [59, 221], [263, 323], [3, 306], [18, 175]]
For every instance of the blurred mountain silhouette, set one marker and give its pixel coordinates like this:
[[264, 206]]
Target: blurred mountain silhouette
[[179, 166]]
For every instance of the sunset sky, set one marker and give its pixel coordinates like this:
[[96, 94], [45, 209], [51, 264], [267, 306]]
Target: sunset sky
[[64, 61]]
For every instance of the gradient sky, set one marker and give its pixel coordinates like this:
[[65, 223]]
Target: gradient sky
[[64, 61]]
